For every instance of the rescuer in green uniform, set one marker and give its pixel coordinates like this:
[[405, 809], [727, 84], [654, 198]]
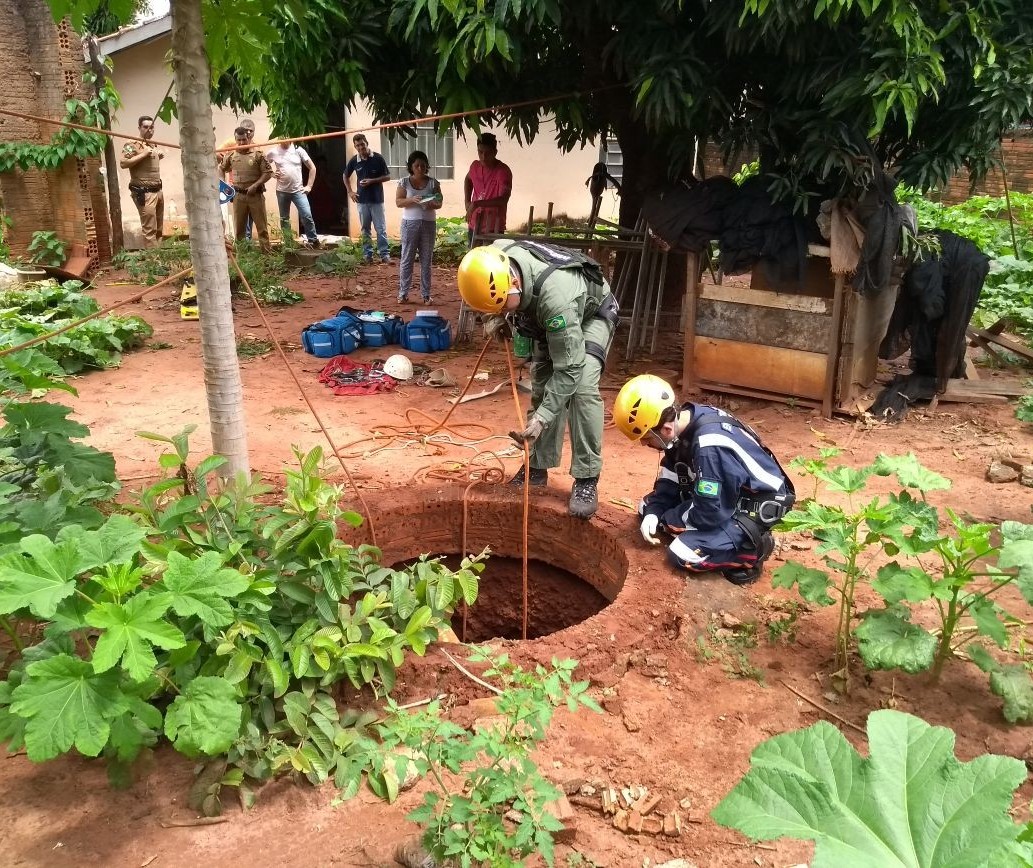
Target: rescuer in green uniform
[[560, 299]]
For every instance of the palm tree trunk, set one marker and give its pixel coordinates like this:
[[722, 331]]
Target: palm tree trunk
[[207, 248]]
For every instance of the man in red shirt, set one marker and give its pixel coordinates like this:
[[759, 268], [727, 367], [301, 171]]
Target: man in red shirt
[[487, 189]]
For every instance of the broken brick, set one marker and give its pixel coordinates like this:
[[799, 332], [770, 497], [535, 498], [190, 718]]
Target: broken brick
[[672, 825]]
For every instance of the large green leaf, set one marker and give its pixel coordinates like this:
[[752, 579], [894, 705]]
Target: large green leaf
[[910, 803], [43, 418], [129, 632], [1017, 553], [40, 577], [115, 542], [67, 703], [205, 718], [200, 586], [1010, 681], [814, 584], [910, 473], [896, 583], [886, 639]]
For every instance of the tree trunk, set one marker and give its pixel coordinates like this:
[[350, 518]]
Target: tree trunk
[[207, 247], [110, 157]]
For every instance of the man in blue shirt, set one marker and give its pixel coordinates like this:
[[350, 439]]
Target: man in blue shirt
[[371, 171]]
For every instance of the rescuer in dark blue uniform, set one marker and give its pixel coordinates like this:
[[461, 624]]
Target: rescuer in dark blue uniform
[[719, 492]]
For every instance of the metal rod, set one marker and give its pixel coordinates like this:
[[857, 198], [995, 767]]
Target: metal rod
[[659, 300]]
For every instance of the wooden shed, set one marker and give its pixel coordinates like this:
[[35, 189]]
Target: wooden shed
[[815, 345]]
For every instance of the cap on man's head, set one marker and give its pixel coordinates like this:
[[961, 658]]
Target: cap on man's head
[[246, 124]]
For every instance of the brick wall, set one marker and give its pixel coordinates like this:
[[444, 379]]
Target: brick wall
[[42, 65], [1018, 159], [1017, 152]]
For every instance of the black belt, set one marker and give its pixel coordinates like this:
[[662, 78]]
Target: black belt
[[144, 188], [244, 190]]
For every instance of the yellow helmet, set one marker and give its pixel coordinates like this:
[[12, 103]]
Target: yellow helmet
[[640, 405], [484, 279]]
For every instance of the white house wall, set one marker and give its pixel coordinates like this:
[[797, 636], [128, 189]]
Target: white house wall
[[541, 173]]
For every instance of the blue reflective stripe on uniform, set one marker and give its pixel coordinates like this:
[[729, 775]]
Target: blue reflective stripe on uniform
[[723, 441]]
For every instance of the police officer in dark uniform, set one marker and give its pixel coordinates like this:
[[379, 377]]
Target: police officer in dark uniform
[[720, 490], [560, 299]]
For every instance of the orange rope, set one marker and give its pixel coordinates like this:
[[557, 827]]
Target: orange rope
[[305, 398], [85, 127], [6, 351], [337, 134]]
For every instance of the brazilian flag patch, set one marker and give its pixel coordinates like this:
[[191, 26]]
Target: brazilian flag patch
[[708, 488], [557, 324]]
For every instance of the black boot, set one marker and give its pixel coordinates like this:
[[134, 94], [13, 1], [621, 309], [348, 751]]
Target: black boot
[[539, 477], [747, 576], [584, 497]]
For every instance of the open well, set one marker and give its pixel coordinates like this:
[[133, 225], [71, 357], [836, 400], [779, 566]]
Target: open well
[[575, 568]]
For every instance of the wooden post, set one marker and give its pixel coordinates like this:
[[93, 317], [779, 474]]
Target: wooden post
[[688, 368], [530, 220], [833, 347], [548, 220]]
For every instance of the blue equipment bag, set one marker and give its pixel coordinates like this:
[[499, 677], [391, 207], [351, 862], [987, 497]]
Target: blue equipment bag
[[427, 334], [379, 329], [336, 336]]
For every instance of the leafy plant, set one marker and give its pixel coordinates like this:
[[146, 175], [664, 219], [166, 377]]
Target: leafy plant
[[66, 142], [1024, 408], [466, 822], [887, 543], [342, 261], [45, 307], [729, 647], [151, 264], [215, 622], [6, 223], [249, 347], [263, 272], [46, 249], [909, 803], [451, 241]]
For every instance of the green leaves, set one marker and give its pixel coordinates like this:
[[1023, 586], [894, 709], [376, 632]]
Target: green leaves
[[910, 803], [813, 584], [1011, 682], [130, 631], [39, 577], [200, 587], [67, 703], [205, 718], [888, 640]]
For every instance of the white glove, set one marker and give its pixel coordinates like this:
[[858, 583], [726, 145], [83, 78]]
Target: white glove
[[648, 529]]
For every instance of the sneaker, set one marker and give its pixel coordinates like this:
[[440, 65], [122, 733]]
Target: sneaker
[[539, 477], [584, 497], [386, 260], [314, 244], [426, 299], [367, 260], [403, 299]]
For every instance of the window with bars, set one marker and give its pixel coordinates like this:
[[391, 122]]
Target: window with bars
[[439, 151]]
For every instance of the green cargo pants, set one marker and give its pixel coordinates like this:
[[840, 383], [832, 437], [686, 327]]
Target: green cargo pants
[[584, 410]]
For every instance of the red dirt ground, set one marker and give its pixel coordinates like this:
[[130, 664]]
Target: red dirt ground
[[675, 723]]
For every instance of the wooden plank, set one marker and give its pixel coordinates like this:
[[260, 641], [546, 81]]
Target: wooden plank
[[832, 348], [1013, 388], [766, 326], [958, 396], [688, 375], [726, 389], [1010, 345], [766, 298], [795, 373]]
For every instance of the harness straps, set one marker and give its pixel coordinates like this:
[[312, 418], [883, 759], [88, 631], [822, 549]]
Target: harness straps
[[755, 515]]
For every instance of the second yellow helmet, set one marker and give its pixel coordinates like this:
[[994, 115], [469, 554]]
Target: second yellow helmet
[[640, 405]]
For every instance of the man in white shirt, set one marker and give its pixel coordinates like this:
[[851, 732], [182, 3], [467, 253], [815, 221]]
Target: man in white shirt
[[287, 160]]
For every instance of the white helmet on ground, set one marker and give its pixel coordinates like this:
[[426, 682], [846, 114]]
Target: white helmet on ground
[[398, 366]]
